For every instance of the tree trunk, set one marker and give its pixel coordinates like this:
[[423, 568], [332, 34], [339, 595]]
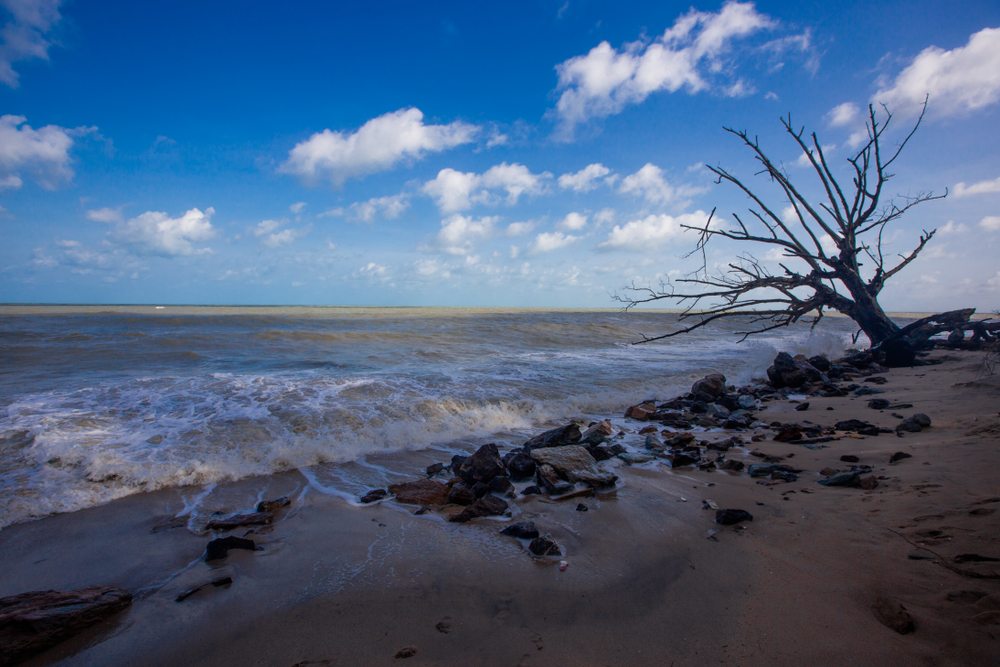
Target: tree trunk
[[869, 314]]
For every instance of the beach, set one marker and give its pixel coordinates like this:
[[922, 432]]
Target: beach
[[648, 576]]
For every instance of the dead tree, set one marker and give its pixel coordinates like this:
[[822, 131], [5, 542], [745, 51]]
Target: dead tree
[[852, 221]]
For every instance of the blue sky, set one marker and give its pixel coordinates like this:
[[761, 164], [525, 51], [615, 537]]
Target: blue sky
[[540, 154]]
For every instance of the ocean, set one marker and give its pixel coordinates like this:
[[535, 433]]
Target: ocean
[[97, 403]]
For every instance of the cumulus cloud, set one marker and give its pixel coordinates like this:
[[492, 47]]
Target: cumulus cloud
[[24, 35], [378, 145], [285, 237], [980, 188], [549, 241], [459, 233], [952, 228], [454, 191], [519, 228], [963, 79], [990, 223], [843, 115], [43, 153], [106, 215], [156, 233], [651, 232], [650, 184], [297, 207], [586, 179], [688, 55], [572, 222]]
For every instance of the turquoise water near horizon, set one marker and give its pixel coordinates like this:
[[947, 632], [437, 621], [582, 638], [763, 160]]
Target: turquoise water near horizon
[[99, 402]]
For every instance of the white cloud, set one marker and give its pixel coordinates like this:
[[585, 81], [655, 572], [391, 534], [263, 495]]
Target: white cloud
[[377, 146], [982, 187], [389, 208], [455, 191], [107, 215], [990, 223], [803, 159], [519, 228], [952, 228], [844, 115], [24, 35], [649, 183], [157, 233], [585, 179], [297, 207], [687, 55], [459, 233], [372, 272], [963, 79], [43, 153], [572, 222], [285, 237], [651, 232], [604, 216], [267, 226], [549, 241]]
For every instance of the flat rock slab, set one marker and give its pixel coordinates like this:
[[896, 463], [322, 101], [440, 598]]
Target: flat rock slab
[[421, 492], [237, 520], [574, 463], [33, 622]]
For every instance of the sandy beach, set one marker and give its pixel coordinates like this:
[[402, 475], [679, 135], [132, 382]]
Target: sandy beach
[[646, 582]]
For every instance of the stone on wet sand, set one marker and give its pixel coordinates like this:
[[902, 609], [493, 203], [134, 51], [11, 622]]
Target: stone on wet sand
[[237, 520], [32, 622], [421, 492], [849, 478], [731, 517], [219, 549], [893, 615], [482, 466], [485, 506], [544, 546], [273, 506], [374, 496], [523, 530], [634, 458], [789, 372], [574, 463]]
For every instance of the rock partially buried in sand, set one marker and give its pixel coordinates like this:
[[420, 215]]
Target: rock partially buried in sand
[[544, 546], [373, 496], [899, 456], [485, 506], [236, 520], [731, 517], [406, 652], [575, 464], [894, 616], [218, 549], [421, 492], [273, 506], [33, 622], [524, 530], [849, 478]]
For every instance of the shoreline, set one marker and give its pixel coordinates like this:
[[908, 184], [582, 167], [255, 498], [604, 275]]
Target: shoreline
[[338, 583]]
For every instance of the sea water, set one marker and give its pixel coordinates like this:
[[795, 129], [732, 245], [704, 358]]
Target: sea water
[[101, 402]]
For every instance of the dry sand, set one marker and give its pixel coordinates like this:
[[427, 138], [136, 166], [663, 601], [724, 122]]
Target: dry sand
[[337, 584]]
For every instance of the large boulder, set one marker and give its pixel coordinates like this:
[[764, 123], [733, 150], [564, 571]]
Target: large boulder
[[575, 464], [520, 466], [790, 372], [33, 622], [714, 385], [482, 466], [421, 492], [557, 437]]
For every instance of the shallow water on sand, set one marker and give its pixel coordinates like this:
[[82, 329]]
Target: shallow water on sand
[[100, 402]]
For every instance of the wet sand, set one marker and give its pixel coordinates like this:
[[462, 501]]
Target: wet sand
[[339, 584]]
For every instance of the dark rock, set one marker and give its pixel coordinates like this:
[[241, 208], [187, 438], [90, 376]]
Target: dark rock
[[732, 465], [544, 546], [713, 385], [725, 445], [521, 466], [869, 430], [273, 506], [524, 530], [547, 477], [485, 506], [849, 458], [374, 495], [574, 463], [789, 372], [731, 517], [32, 622], [434, 469], [679, 440], [899, 456], [218, 549], [616, 449], [461, 494], [875, 379], [878, 404], [788, 434], [479, 489], [531, 491], [224, 581], [421, 492], [600, 453], [500, 485], [802, 407], [922, 419], [921, 554], [482, 466], [820, 363], [852, 425], [582, 508], [653, 443], [236, 520], [686, 457], [868, 391], [762, 469], [596, 433], [406, 652], [910, 425], [781, 475], [849, 478], [868, 483], [894, 616], [457, 460], [557, 437], [729, 402]]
